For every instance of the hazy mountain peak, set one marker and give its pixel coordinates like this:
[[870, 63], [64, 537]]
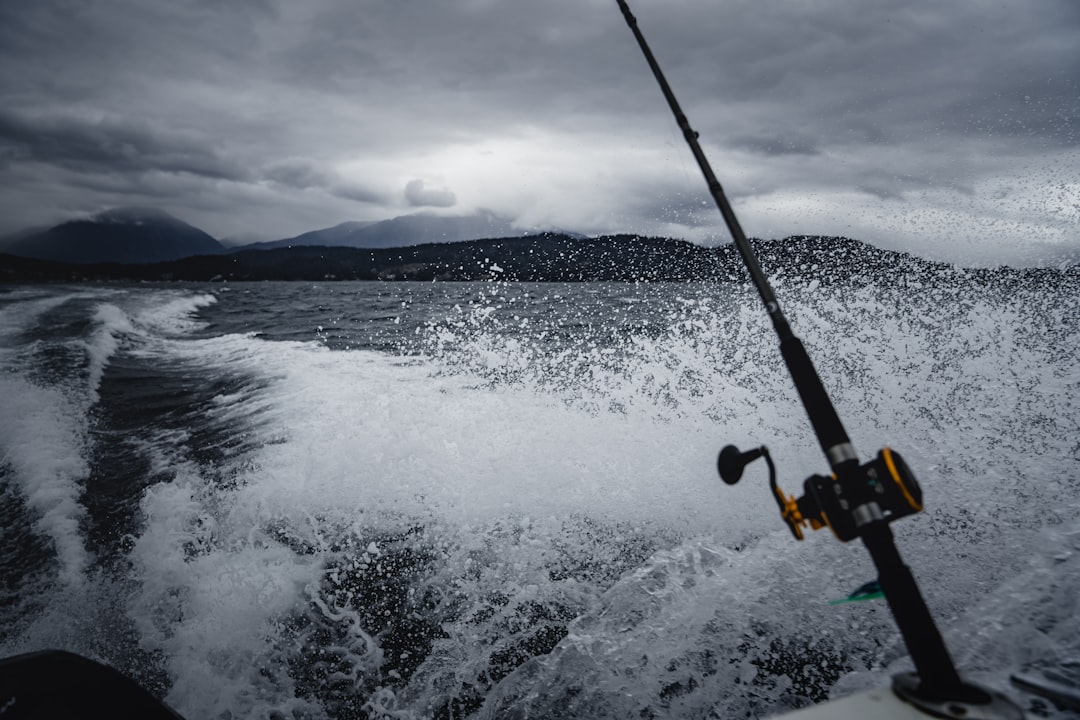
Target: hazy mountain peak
[[123, 235], [404, 230]]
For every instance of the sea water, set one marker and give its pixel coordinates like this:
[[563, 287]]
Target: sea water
[[410, 500]]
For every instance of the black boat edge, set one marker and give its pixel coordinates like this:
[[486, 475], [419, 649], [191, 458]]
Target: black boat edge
[[61, 684]]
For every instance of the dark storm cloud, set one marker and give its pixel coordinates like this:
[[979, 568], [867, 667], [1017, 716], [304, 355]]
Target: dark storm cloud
[[308, 175], [885, 73], [299, 174], [109, 145], [358, 193], [268, 116], [1044, 113]]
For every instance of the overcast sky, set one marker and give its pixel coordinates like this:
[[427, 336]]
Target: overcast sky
[[950, 129]]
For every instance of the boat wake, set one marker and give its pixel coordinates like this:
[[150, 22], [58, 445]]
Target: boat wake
[[370, 500]]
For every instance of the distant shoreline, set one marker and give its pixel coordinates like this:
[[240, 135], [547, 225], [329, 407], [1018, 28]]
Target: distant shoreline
[[547, 257]]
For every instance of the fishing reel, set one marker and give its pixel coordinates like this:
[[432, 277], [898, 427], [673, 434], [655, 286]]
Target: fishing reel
[[879, 491]]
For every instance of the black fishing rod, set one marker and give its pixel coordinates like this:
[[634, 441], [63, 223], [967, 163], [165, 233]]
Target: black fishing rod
[[857, 500]]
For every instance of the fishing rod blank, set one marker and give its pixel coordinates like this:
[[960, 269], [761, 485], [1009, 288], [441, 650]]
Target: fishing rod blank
[[856, 500], [830, 431]]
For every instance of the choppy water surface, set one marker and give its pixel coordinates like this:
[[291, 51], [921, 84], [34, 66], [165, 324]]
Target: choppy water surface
[[359, 500]]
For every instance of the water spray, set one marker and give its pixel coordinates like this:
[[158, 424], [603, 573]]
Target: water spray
[[857, 500]]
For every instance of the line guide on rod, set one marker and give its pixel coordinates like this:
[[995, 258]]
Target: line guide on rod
[[856, 500]]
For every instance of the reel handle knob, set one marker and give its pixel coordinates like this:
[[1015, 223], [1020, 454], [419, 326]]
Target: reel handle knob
[[731, 462]]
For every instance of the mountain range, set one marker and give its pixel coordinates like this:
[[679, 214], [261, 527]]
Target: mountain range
[[149, 235], [547, 257], [146, 244]]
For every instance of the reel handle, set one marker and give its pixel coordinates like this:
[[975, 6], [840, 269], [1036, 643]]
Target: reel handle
[[732, 461]]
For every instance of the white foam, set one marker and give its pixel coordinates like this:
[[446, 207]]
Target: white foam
[[364, 432], [110, 323], [210, 599], [148, 318], [364, 440], [42, 437], [516, 458], [174, 316]]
